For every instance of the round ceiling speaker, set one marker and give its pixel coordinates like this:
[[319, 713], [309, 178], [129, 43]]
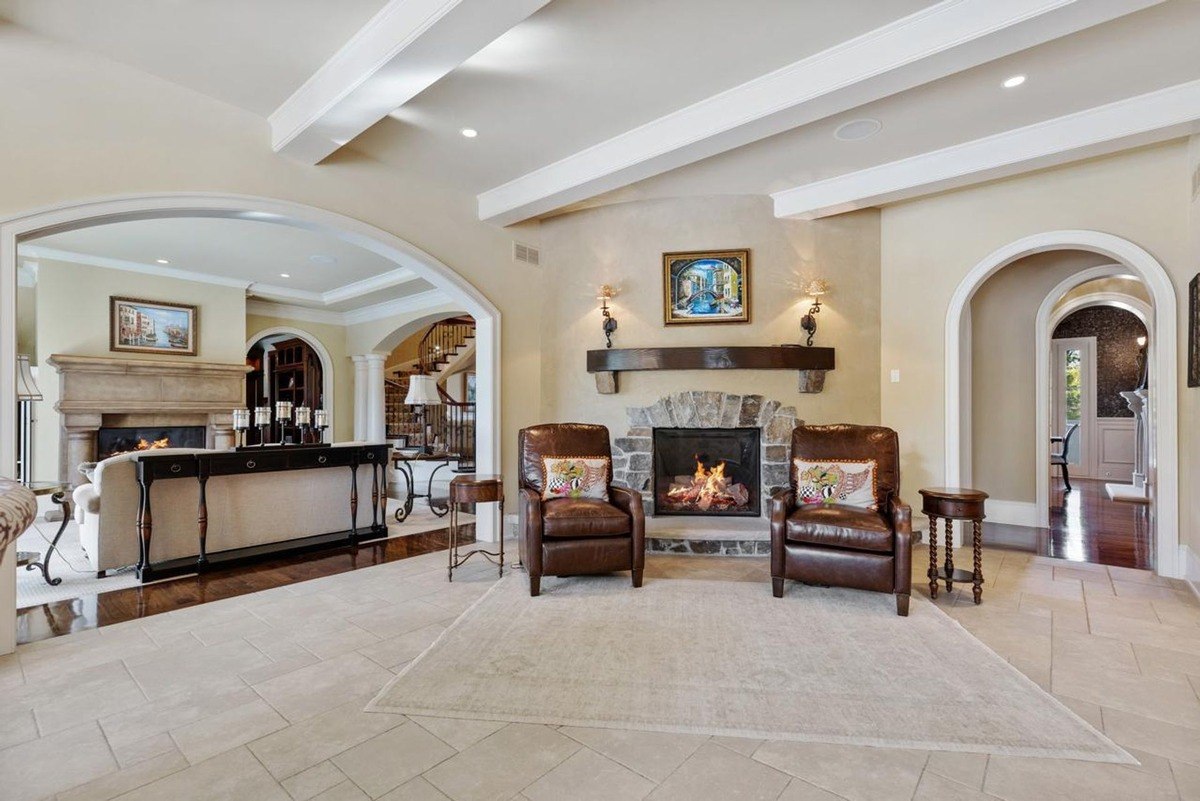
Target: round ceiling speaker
[[857, 129]]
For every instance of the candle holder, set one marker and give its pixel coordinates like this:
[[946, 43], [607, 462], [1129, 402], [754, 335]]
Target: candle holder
[[320, 422], [283, 413], [241, 422], [304, 421], [262, 419]]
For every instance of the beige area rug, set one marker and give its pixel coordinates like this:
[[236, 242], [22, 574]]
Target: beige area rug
[[727, 658]]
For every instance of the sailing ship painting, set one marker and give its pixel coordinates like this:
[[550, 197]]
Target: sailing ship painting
[[146, 326], [706, 287]]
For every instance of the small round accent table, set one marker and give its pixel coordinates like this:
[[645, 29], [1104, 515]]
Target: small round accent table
[[472, 488], [950, 504]]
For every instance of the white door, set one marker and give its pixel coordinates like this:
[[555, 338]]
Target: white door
[[1074, 401]]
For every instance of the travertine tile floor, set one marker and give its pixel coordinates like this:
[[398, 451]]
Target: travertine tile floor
[[261, 698]]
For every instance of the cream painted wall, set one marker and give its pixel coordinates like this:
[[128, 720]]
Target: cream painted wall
[[333, 338], [72, 318], [1190, 403], [623, 245], [92, 128], [929, 246], [1003, 338]]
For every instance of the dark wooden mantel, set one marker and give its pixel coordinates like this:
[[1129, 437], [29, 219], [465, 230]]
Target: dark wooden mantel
[[810, 362]]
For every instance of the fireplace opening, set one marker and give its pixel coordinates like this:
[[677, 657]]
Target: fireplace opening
[[706, 471], [115, 441]]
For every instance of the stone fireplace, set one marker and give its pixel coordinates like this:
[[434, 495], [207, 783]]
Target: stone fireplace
[[634, 455], [96, 392]]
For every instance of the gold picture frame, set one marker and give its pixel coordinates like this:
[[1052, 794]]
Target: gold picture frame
[[137, 325], [706, 287]]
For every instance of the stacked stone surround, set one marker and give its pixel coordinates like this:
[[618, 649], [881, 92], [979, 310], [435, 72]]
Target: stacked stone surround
[[633, 453]]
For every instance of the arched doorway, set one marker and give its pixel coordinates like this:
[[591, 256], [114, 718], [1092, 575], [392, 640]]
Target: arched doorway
[[1163, 361], [326, 361], [84, 214]]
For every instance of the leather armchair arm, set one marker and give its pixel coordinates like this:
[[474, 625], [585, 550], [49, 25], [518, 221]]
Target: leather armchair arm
[[630, 502], [529, 520], [783, 503], [902, 525]]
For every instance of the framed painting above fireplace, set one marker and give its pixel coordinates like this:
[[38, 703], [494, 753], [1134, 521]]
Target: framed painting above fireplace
[[706, 287], [151, 326]]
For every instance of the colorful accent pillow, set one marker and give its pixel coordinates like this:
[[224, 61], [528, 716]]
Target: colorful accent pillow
[[575, 477], [849, 483]]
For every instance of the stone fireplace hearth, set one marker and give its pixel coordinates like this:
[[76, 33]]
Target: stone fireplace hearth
[[97, 392], [633, 466]]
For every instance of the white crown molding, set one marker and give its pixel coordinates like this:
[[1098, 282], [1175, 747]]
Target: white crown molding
[[1143, 119], [285, 311], [389, 308], [941, 40], [379, 311], [54, 254], [264, 292], [401, 51]]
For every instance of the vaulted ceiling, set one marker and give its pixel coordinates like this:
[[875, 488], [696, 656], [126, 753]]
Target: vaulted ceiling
[[578, 102]]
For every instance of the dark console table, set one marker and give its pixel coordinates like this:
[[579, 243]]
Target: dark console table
[[201, 467]]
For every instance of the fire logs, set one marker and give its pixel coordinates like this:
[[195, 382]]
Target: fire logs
[[708, 489]]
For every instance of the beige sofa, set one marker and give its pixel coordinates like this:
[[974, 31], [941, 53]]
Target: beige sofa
[[243, 510]]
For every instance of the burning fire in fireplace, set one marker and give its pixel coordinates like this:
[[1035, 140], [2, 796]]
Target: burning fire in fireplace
[[147, 445], [707, 489]]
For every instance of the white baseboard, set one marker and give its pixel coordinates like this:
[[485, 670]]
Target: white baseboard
[[1014, 513], [1191, 568]]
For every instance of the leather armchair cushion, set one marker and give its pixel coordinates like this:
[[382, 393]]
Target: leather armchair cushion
[[571, 518], [840, 527]]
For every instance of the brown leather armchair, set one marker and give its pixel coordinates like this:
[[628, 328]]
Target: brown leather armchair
[[845, 546], [574, 536]]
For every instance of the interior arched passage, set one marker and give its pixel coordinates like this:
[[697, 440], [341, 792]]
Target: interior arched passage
[[69, 216], [327, 380], [1164, 469]]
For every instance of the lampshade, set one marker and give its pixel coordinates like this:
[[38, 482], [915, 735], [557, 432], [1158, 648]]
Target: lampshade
[[422, 391], [27, 388], [816, 287]]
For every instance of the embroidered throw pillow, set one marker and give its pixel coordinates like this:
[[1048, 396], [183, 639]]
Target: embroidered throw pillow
[[850, 483], [575, 477]]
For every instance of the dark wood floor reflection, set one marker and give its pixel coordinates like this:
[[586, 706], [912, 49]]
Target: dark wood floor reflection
[[78, 614], [1086, 526]]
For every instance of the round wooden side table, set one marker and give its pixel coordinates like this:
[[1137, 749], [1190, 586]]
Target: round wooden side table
[[950, 504], [472, 488]]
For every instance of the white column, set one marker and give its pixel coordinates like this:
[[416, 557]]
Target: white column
[[361, 404], [376, 401]]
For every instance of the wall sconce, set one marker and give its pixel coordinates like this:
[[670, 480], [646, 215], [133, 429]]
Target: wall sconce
[[814, 289], [609, 325]]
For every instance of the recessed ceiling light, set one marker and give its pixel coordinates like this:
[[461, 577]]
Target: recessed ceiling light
[[322, 258], [470, 133], [162, 261], [285, 275], [1014, 81], [857, 129]]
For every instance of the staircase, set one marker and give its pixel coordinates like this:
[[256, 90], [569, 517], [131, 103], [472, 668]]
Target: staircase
[[453, 422]]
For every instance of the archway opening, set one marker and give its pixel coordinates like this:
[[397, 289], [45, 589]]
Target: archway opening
[[287, 364], [1129, 259]]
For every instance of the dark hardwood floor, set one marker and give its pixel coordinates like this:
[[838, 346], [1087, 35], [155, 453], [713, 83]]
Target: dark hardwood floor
[[1086, 526], [78, 614]]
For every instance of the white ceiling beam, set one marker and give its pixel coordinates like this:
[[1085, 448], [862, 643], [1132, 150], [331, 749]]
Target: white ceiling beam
[[404, 49], [941, 40], [1154, 117]]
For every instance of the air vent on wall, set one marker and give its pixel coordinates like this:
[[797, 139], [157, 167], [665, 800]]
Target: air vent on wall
[[527, 254]]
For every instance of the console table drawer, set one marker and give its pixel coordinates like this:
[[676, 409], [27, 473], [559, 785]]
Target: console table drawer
[[154, 466], [243, 462], [322, 457]]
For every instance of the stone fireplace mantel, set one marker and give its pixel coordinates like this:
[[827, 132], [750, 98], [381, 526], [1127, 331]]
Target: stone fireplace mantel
[[97, 391]]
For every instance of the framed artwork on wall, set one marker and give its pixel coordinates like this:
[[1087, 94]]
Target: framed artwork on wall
[[150, 326], [706, 287], [1194, 331]]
